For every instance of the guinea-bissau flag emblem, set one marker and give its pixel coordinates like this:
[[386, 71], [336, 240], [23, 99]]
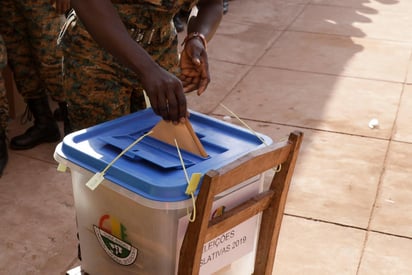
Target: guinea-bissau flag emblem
[[120, 251]]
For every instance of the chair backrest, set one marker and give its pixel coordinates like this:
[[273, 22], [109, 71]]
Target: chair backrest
[[270, 203]]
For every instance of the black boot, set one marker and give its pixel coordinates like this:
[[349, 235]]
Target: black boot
[[3, 151], [58, 113], [61, 114], [45, 128]]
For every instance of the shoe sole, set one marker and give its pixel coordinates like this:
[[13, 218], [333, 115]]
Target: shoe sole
[[48, 140]]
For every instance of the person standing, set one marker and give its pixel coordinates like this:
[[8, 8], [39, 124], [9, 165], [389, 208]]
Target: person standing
[[30, 30], [113, 50], [4, 109]]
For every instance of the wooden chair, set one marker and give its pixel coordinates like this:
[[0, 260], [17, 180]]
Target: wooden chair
[[270, 203]]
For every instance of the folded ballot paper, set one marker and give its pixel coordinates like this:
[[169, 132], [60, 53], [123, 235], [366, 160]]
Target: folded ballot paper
[[183, 133]]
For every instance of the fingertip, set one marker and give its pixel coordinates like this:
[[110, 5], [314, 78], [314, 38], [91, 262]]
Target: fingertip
[[196, 61], [201, 90]]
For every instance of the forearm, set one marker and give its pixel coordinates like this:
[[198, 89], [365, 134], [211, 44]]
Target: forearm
[[208, 18], [105, 26]]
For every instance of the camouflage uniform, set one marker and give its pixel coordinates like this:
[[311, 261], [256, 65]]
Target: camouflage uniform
[[98, 88], [30, 30], [4, 107]]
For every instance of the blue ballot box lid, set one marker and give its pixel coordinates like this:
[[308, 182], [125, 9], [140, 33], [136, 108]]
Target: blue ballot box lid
[[152, 168]]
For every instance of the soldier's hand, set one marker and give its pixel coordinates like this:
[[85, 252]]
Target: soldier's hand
[[194, 66], [166, 95]]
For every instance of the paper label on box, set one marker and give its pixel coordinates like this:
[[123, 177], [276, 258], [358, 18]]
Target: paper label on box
[[231, 245], [228, 247]]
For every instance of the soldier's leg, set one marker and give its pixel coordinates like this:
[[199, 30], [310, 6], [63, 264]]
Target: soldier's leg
[[4, 109], [91, 81], [23, 61], [48, 25], [14, 29]]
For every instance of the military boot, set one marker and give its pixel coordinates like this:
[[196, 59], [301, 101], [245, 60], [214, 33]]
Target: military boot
[[3, 150], [45, 128], [62, 114]]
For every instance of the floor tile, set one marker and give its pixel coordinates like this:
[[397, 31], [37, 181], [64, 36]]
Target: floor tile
[[355, 22], [241, 43], [315, 101], [374, 6], [277, 13], [409, 74], [315, 248], [224, 76], [38, 229], [277, 133], [325, 67], [403, 129], [274, 131], [392, 213], [43, 152], [386, 255], [336, 178], [330, 20], [339, 55]]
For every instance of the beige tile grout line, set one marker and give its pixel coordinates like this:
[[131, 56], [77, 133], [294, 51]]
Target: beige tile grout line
[[259, 57], [347, 226], [380, 182], [367, 230], [378, 188]]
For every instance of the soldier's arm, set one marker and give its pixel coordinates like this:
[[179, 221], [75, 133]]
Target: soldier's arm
[[208, 18], [165, 91], [194, 61]]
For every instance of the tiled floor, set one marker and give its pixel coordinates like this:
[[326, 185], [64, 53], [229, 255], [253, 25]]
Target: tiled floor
[[325, 67]]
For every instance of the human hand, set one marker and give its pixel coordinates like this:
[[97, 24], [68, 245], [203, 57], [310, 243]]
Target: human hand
[[194, 66], [62, 6], [166, 95]]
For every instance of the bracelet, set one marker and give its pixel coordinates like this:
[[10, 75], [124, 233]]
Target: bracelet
[[196, 35]]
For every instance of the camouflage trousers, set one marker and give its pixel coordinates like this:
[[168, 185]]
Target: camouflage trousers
[[4, 106], [97, 87], [30, 30]]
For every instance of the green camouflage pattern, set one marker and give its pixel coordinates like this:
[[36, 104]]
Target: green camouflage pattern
[[30, 30], [4, 106], [97, 87]]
